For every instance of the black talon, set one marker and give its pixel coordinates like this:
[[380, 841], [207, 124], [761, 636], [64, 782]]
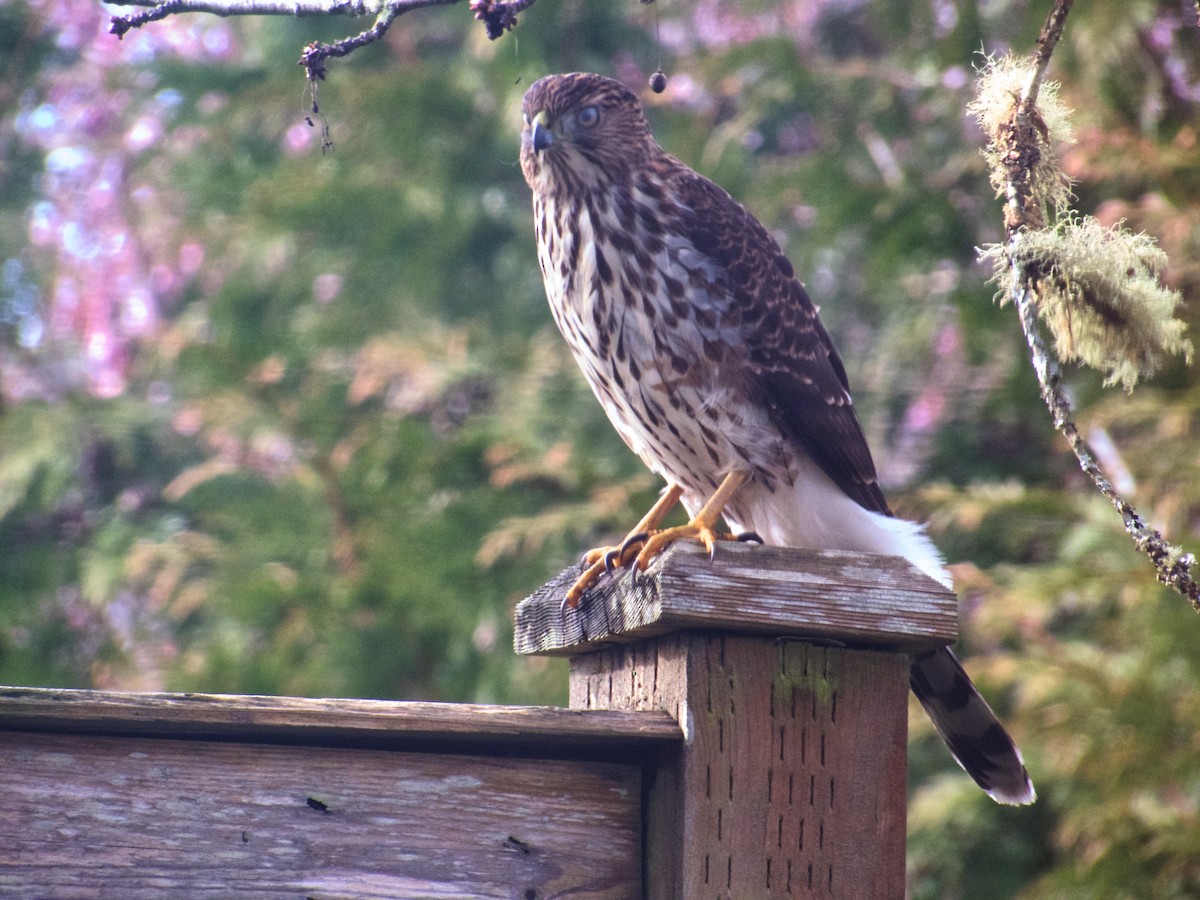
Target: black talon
[[749, 537], [712, 551], [640, 538], [614, 554]]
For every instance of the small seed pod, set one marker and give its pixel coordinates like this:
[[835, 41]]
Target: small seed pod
[[658, 81]]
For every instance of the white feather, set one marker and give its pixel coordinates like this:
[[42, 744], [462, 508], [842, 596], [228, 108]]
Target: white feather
[[814, 513]]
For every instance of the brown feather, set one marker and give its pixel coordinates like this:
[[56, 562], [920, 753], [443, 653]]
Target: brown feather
[[710, 359], [792, 364]]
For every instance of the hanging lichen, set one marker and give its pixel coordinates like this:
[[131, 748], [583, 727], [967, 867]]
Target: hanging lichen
[[1098, 290], [1024, 151]]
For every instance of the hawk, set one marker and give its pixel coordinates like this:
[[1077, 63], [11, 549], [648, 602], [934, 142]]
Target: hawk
[[707, 354]]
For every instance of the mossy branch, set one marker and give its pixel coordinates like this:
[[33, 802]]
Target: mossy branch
[[1173, 567], [1099, 294], [1097, 289]]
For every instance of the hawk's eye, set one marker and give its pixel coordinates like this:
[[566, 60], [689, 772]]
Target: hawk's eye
[[588, 116]]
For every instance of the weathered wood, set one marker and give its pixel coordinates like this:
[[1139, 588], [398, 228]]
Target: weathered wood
[[139, 818], [854, 599], [448, 727], [791, 780], [710, 752], [791, 777]]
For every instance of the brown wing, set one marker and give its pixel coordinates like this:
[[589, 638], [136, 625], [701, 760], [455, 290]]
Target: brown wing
[[794, 369]]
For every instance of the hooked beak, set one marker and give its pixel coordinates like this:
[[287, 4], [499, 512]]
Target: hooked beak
[[540, 134]]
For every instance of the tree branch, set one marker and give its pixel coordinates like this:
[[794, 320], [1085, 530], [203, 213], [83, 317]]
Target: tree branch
[[1052, 30], [261, 7], [497, 16], [1172, 567], [160, 9], [1023, 212], [314, 55], [1022, 208]]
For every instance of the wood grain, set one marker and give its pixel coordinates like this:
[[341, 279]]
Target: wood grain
[[791, 779], [851, 599], [712, 751], [133, 818], [448, 727]]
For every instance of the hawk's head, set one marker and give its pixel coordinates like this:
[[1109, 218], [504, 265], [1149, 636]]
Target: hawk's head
[[581, 131]]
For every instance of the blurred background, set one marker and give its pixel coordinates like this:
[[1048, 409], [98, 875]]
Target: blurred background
[[274, 420]]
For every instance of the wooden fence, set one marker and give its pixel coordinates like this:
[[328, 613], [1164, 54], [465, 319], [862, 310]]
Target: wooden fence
[[736, 730]]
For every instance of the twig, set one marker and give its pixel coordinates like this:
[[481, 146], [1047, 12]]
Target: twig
[[498, 16], [1047, 40], [314, 55], [1022, 209], [1172, 567], [160, 9]]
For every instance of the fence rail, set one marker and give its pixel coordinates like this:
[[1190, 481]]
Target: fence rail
[[737, 729]]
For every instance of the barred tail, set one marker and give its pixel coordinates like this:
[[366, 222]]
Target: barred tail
[[969, 727]]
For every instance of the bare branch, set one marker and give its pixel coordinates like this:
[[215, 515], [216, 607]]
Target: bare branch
[[1052, 30], [160, 9], [261, 7], [498, 16], [314, 55]]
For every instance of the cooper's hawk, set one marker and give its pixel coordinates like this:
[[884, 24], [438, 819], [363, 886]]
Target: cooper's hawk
[[709, 358]]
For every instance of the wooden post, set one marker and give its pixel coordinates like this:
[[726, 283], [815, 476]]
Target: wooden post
[[787, 671]]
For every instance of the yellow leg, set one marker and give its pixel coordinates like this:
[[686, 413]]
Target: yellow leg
[[701, 528], [652, 541], [602, 558]]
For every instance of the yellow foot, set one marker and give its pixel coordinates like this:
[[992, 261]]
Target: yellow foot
[[647, 541], [605, 559]]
